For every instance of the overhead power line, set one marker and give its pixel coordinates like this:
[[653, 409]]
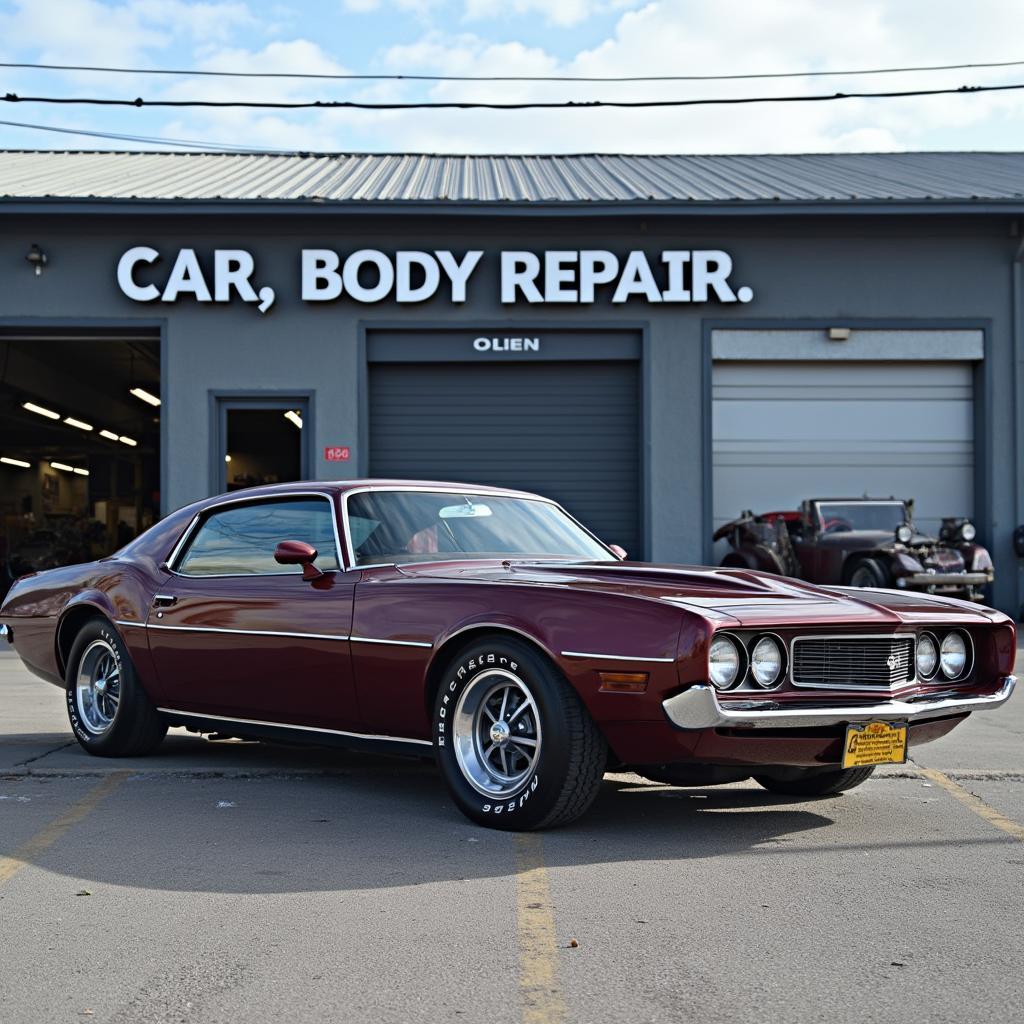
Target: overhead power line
[[483, 105], [346, 77], [151, 140]]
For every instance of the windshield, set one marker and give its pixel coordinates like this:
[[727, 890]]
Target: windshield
[[844, 517], [428, 526]]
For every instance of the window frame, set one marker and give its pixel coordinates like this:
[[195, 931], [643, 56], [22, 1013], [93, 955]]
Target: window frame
[[181, 548]]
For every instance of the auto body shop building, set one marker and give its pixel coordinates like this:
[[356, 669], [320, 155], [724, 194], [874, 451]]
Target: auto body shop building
[[657, 341]]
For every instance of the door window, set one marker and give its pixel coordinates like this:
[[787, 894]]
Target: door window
[[240, 540]]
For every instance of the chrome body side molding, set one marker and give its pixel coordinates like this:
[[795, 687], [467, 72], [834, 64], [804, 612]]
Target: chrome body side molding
[[299, 728], [614, 657]]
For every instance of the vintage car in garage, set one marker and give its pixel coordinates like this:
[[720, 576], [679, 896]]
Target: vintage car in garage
[[860, 542], [489, 629]]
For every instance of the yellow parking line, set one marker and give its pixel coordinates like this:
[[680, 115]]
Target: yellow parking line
[[538, 947], [976, 804], [49, 834]]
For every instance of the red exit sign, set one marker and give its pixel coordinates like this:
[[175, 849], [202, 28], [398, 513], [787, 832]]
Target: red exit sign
[[335, 453]]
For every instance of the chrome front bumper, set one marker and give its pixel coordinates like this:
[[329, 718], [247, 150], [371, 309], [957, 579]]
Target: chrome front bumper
[[944, 579], [700, 708]]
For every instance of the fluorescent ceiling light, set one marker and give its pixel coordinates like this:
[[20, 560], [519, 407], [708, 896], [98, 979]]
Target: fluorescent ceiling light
[[292, 415], [108, 434], [143, 394], [61, 465], [15, 462], [72, 422], [81, 472], [128, 441], [39, 410]]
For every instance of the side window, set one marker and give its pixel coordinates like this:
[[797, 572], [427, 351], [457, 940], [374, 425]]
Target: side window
[[241, 540]]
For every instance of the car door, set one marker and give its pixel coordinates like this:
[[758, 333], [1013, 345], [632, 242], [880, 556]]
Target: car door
[[234, 634]]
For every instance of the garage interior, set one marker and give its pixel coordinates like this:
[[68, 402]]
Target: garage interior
[[842, 423], [79, 445]]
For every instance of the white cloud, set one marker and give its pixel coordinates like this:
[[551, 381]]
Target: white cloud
[[421, 7], [681, 37], [564, 13], [92, 32], [557, 12], [204, 22], [729, 36], [255, 128]]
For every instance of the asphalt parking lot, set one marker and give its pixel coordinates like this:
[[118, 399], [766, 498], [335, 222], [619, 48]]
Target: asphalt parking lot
[[228, 881]]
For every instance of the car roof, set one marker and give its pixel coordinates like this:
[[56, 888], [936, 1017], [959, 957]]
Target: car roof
[[366, 483], [862, 500]]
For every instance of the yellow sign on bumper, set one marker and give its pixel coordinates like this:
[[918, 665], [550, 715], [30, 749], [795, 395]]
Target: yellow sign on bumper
[[875, 743]]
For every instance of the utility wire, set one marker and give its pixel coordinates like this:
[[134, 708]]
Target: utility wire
[[509, 78], [146, 139], [480, 105]]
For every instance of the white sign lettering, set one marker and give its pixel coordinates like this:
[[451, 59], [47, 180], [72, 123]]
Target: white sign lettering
[[232, 271], [506, 344], [367, 276]]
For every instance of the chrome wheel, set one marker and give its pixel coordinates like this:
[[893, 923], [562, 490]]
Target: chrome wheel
[[98, 687], [496, 730]]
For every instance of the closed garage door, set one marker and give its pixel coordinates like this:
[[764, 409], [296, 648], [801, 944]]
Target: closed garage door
[[569, 430], [787, 431]]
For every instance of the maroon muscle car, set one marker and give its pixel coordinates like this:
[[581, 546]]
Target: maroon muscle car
[[861, 542], [488, 628]]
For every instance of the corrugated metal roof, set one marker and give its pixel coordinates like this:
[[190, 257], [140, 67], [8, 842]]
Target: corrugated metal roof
[[399, 178]]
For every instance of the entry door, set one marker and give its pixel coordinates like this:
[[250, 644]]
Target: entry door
[[234, 634], [260, 440]]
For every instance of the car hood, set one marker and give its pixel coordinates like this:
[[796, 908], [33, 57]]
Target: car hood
[[737, 597]]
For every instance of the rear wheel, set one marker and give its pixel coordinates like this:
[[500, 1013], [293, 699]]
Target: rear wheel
[[868, 572], [109, 711], [817, 783], [515, 745]]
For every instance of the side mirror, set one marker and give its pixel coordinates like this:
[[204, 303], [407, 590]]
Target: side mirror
[[297, 552], [619, 552]]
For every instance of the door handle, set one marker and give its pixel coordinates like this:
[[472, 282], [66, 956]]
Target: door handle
[[164, 600]]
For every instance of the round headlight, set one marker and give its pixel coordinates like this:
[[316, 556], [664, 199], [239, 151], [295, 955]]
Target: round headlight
[[927, 656], [724, 662], [766, 662], [904, 533], [968, 532], [953, 655]]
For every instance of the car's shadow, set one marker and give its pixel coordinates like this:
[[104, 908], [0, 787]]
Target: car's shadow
[[335, 820]]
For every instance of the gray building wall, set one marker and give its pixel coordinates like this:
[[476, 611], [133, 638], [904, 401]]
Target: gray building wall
[[856, 271]]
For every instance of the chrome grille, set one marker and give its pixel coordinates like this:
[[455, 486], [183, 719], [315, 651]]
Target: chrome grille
[[854, 662]]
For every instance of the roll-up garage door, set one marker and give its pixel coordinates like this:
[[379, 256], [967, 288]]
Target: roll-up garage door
[[787, 431], [568, 430]]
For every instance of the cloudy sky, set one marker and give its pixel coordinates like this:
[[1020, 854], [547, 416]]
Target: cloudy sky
[[520, 37]]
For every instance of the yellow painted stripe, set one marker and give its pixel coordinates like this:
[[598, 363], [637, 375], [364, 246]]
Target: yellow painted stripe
[[974, 803], [49, 834], [538, 947]]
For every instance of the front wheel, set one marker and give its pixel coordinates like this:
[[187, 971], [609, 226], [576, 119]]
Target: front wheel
[[817, 783], [869, 572], [515, 745], [109, 711]]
